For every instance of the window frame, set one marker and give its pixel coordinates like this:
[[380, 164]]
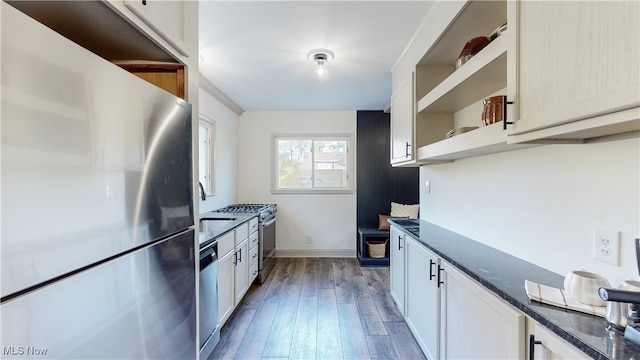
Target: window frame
[[350, 159], [209, 185]]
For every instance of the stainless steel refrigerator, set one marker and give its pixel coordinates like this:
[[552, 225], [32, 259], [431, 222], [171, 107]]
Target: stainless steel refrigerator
[[98, 257]]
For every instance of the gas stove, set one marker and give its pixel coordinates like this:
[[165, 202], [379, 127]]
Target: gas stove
[[265, 210], [266, 233]]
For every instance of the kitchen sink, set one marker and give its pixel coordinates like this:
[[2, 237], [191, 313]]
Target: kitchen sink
[[215, 224]]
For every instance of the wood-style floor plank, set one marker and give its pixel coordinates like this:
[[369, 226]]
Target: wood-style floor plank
[[310, 283], [344, 292], [279, 340], [325, 274], [280, 273], [380, 347], [255, 339], [297, 272], [318, 308], [304, 344], [387, 308], [232, 334], [353, 267], [354, 344], [329, 340], [375, 282], [359, 286], [371, 321], [403, 342]]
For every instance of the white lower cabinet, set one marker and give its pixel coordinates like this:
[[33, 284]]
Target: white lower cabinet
[[543, 344], [454, 317], [226, 276], [475, 323], [423, 297], [233, 270], [397, 267], [242, 270]]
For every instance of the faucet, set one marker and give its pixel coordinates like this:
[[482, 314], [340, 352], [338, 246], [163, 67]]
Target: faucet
[[203, 195]]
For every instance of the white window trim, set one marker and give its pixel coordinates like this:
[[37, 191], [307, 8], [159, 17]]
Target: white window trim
[[211, 124], [351, 163]]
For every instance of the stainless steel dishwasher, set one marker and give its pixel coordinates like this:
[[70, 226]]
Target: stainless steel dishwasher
[[209, 324]]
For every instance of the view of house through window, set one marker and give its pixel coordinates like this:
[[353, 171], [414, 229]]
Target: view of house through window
[[312, 163]]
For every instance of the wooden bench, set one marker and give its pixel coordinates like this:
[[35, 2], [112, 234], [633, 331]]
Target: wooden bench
[[369, 233]]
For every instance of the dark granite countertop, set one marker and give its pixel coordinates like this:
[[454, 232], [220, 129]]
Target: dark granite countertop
[[504, 275], [207, 237]]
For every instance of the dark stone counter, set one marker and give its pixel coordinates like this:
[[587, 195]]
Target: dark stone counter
[[504, 275], [207, 237]]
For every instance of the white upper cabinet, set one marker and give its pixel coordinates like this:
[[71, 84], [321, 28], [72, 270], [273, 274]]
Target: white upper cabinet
[[450, 98], [569, 71], [166, 18], [402, 103], [578, 69]]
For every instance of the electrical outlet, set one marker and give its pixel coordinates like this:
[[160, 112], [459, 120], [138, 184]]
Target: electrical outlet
[[606, 246], [427, 187], [309, 239]]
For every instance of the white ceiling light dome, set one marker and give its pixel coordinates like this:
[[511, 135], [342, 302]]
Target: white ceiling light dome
[[320, 58]]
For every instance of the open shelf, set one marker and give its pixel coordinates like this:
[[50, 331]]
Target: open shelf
[[485, 140], [364, 234], [483, 74]]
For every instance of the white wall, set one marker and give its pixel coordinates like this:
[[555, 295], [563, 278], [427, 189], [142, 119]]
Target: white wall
[[330, 219], [542, 204], [226, 153]]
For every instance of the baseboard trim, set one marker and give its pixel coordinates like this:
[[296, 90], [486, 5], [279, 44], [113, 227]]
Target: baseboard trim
[[284, 253]]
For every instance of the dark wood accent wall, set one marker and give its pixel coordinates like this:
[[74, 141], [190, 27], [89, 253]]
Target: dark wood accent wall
[[378, 183]]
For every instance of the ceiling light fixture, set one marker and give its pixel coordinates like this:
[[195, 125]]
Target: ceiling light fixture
[[320, 58]]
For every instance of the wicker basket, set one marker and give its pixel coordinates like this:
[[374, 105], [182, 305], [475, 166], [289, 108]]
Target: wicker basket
[[377, 248]]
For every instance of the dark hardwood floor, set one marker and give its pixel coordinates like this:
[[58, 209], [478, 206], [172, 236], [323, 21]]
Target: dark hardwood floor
[[318, 308]]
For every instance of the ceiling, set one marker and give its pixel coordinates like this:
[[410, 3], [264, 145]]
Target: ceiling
[[255, 51]]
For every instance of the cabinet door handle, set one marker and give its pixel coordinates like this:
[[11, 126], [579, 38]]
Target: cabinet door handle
[[440, 269], [144, 2], [235, 258], [532, 346], [431, 274], [406, 149], [399, 242], [240, 260], [504, 113]]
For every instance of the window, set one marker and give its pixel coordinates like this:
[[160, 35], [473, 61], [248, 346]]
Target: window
[[313, 163], [205, 152]]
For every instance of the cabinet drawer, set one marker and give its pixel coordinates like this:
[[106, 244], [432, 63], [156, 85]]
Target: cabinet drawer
[[253, 255], [253, 272], [225, 244], [253, 239], [242, 232], [253, 226]]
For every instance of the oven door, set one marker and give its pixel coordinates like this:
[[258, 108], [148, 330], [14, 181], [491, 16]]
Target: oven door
[[268, 240]]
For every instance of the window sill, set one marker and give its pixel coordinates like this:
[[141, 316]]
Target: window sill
[[312, 191]]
